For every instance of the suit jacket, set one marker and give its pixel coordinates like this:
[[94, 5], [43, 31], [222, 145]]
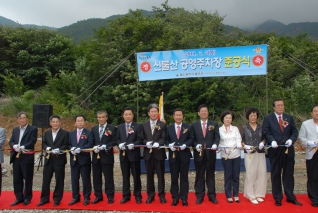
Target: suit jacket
[[28, 140], [136, 137], [308, 132], [61, 142], [108, 140], [212, 137], [159, 135], [2, 141], [85, 142], [186, 137], [272, 132]]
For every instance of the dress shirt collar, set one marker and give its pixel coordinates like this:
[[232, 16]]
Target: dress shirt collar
[[206, 122], [24, 128]]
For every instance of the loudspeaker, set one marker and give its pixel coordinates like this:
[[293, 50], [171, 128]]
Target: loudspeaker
[[41, 115]]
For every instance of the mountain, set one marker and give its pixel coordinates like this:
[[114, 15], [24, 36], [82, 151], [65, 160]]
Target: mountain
[[293, 29], [85, 28], [8, 22]]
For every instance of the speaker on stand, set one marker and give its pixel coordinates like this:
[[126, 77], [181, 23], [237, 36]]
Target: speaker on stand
[[40, 119]]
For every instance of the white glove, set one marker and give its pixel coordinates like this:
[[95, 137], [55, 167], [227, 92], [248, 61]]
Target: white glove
[[16, 148], [21, 148], [199, 147], [247, 147], [274, 144], [48, 149], [288, 143], [155, 145], [311, 144], [261, 145], [102, 147], [149, 144], [214, 147], [95, 147], [56, 151], [239, 145], [73, 150], [183, 147], [131, 146], [122, 146], [96, 150], [171, 146], [77, 150]]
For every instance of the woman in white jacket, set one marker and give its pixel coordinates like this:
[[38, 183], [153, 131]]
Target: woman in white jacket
[[230, 146]]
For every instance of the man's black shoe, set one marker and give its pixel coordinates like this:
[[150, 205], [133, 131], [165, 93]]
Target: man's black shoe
[[199, 200], [314, 204], [110, 201], [124, 200], [213, 200], [16, 202], [41, 203], [174, 202], [294, 202], [56, 203], [278, 203], [86, 201], [163, 200], [184, 203], [97, 200], [26, 202], [150, 200], [74, 201], [138, 200]]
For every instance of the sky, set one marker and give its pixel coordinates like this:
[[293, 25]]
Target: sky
[[238, 13]]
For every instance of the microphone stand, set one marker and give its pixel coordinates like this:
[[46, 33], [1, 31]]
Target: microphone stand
[[39, 160]]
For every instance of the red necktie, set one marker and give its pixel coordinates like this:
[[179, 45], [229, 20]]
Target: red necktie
[[203, 129], [178, 132], [280, 121]]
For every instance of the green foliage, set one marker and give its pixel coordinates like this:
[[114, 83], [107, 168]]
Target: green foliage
[[12, 84], [34, 53]]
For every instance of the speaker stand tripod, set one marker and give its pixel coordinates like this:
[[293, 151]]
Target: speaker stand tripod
[[39, 160]]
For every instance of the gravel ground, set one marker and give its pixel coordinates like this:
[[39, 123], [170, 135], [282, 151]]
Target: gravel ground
[[300, 181]]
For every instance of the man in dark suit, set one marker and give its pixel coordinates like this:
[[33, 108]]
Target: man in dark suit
[[103, 157], [154, 136], [23, 137], [280, 130], [130, 134], [179, 135], [54, 140], [80, 138], [206, 135]]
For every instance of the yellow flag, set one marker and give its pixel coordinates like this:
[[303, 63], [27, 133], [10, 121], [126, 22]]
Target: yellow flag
[[161, 115]]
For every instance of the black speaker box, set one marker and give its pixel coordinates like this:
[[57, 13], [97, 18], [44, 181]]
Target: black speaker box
[[41, 115]]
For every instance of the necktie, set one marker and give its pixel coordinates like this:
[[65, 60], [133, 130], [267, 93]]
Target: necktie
[[178, 132], [203, 129], [280, 121], [101, 132], [152, 127], [78, 135], [127, 129]]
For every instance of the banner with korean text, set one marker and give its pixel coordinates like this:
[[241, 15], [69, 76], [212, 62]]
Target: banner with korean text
[[206, 62]]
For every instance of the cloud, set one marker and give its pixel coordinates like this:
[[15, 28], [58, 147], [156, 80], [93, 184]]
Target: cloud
[[241, 13]]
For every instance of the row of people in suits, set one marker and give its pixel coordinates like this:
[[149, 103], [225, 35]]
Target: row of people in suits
[[102, 138], [204, 135]]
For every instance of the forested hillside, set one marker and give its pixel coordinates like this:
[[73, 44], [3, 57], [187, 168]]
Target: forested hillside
[[43, 66]]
